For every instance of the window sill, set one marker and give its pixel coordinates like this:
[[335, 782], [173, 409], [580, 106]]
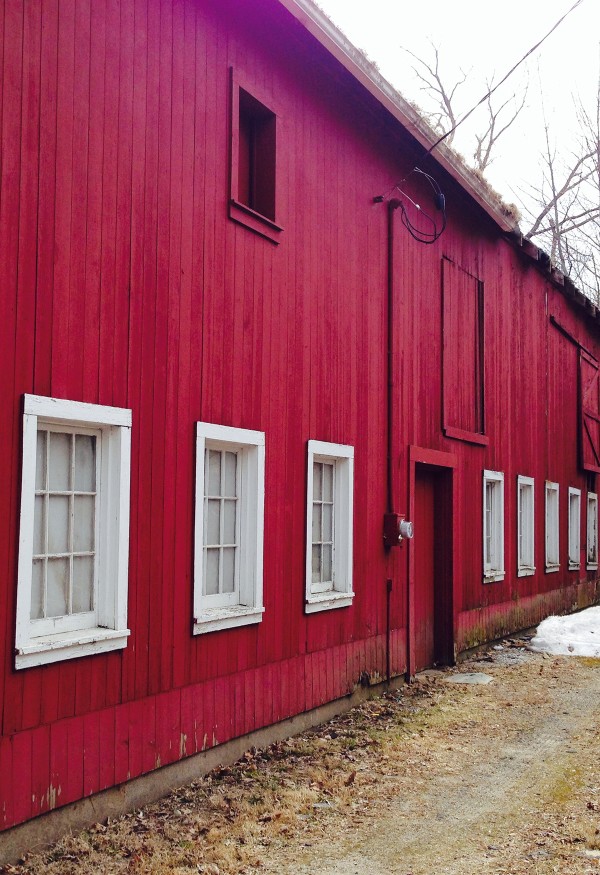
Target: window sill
[[469, 437], [592, 567], [550, 569], [526, 571], [574, 566], [327, 601], [227, 618], [492, 578], [70, 645], [254, 221]]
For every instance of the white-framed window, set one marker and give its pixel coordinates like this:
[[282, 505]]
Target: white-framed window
[[74, 530], [574, 527], [525, 526], [329, 526], [552, 517], [229, 527], [592, 531], [493, 526]]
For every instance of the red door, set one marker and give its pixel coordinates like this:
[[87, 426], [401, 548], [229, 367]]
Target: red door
[[424, 569]]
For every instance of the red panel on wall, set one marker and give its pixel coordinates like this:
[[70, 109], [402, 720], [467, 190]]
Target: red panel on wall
[[589, 412]]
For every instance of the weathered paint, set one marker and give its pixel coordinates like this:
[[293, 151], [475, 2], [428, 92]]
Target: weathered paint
[[123, 281]]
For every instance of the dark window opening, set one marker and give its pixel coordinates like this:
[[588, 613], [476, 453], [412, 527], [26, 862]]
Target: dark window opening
[[256, 156]]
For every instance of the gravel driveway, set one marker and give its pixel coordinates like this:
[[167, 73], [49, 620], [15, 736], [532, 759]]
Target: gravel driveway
[[438, 778]]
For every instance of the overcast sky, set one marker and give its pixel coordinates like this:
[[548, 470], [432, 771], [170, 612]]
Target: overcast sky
[[486, 40]]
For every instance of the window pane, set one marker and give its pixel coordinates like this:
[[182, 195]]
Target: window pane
[[58, 587], [229, 522], [327, 574], [230, 475], [58, 523], [213, 526], [328, 522], [37, 589], [228, 569], [83, 523], [316, 563], [214, 472], [83, 584], [40, 463], [211, 582], [317, 493], [85, 463], [327, 482], [39, 535], [59, 469], [316, 523]]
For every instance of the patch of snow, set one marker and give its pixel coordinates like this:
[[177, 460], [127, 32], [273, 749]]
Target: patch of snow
[[575, 635]]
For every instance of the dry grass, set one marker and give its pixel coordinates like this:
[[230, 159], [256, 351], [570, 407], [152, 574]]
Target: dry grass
[[227, 821], [280, 807]]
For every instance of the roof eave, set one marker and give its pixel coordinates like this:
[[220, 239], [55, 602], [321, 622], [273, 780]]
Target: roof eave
[[333, 40]]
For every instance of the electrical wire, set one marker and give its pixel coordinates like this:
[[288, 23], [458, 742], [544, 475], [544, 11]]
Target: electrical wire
[[423, 235], [431, 232], [504, 78]]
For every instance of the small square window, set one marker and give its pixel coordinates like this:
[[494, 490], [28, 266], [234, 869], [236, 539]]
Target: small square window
[[592, 531], [230, 490], [74, 538], [525, 526], [493, 526], [574, 528], [253, 170], [329, 521], [552, 527]]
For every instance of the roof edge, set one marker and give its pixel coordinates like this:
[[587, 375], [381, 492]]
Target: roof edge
[[337, 44], [320, 26]]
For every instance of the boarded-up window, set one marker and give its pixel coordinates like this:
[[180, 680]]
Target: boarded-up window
[[463, 403], [589, 412]]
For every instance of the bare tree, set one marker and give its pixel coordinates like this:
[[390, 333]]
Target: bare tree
[[564, 208], [444, 118], [486, 142]]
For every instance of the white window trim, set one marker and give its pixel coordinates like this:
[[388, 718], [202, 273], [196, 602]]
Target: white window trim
[[494, 571], [552, 528], [249, 606], [525, 528], [342, 595], [574, 530], [111, 633], [592, 532]]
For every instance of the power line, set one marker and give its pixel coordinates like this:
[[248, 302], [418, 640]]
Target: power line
[[503, 80]]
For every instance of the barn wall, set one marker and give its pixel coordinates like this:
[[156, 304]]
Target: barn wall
[[124, 282]]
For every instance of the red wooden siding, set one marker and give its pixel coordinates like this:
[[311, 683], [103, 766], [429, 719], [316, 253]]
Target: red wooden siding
[[123, 281]]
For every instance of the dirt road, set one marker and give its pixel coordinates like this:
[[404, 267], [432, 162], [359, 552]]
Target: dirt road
[[437, 779], [504, 779]]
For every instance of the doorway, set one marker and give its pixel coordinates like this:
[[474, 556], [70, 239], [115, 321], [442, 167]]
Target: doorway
[[432, 603]]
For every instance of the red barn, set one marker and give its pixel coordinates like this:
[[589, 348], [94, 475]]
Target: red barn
[[234, 358]]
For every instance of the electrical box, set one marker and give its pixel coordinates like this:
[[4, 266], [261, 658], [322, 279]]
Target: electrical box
[[396, 528]]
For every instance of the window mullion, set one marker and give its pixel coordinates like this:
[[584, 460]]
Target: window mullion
[[334, 504], [45, 525], [221, 522], [237, 553], [70, 541]]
